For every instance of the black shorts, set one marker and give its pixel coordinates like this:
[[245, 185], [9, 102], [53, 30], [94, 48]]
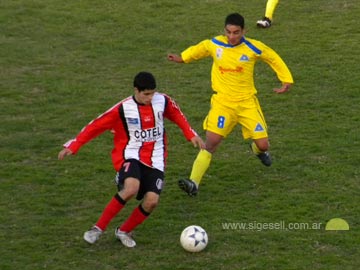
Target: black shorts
[[150, 179]]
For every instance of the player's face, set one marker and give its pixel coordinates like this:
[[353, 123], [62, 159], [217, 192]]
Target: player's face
[[144, 97], [234, 33]]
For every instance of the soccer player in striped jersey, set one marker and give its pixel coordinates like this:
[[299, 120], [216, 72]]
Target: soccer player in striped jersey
[[269, 12], [234, 99], [139, 154]]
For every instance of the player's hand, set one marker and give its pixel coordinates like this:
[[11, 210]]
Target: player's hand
[[285, 87], [63, 153], [174, 58], [198, 142]]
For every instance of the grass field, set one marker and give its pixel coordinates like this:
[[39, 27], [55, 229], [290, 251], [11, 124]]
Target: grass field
[[62, 63]]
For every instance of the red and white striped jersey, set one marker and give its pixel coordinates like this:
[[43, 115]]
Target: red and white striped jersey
[[139, 131]]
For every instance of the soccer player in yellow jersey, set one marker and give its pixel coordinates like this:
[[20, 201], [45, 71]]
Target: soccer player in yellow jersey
[[234, 98], [269, 12]]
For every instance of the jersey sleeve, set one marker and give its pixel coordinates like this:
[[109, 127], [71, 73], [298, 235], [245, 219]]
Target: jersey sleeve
[[196, 52], [270, 57], [174, 114], [97, 126]]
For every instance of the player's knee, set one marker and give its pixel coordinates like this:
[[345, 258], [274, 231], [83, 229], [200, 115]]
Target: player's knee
[[211, 147], [128, 192], [213, 140], [149, 207], [150, 204], [126, 196], [263, 146]]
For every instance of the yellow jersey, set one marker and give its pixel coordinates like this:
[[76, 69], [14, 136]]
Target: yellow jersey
[[232, 73]]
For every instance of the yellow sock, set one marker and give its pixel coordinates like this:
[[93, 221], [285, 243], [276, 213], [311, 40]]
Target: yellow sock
[[255, 149], [201, 164], [270, 8]]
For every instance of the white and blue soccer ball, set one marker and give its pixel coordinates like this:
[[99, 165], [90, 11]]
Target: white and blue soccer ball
[[194, 238]]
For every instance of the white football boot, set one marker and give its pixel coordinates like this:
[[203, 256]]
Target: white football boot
[[125, 238], [93, 235], [264, 23]]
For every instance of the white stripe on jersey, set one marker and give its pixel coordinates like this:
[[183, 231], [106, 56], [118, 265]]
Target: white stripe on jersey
[[139, 135]]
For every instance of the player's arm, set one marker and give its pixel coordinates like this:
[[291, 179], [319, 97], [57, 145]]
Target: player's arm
[[97, 126], [175, 58], [63, 153], [192, 53], [198, 142], [284, 88], [278, 65]]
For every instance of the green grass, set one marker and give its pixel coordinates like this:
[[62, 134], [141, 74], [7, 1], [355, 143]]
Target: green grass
[[64, 62]]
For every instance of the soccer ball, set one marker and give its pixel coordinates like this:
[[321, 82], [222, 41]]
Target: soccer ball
[[193, 238]]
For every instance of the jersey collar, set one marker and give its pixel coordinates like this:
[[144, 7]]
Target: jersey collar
[[227, 45]]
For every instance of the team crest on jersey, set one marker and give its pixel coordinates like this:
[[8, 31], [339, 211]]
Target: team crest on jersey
[[219, 52], [244, 58], [133, 121], [259, 127], [147, 118]]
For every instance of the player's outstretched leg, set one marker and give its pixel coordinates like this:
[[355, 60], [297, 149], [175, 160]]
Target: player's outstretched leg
[[188, 186]]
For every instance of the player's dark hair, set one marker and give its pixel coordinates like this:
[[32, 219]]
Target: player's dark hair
[[235, 19], [144, 81]]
